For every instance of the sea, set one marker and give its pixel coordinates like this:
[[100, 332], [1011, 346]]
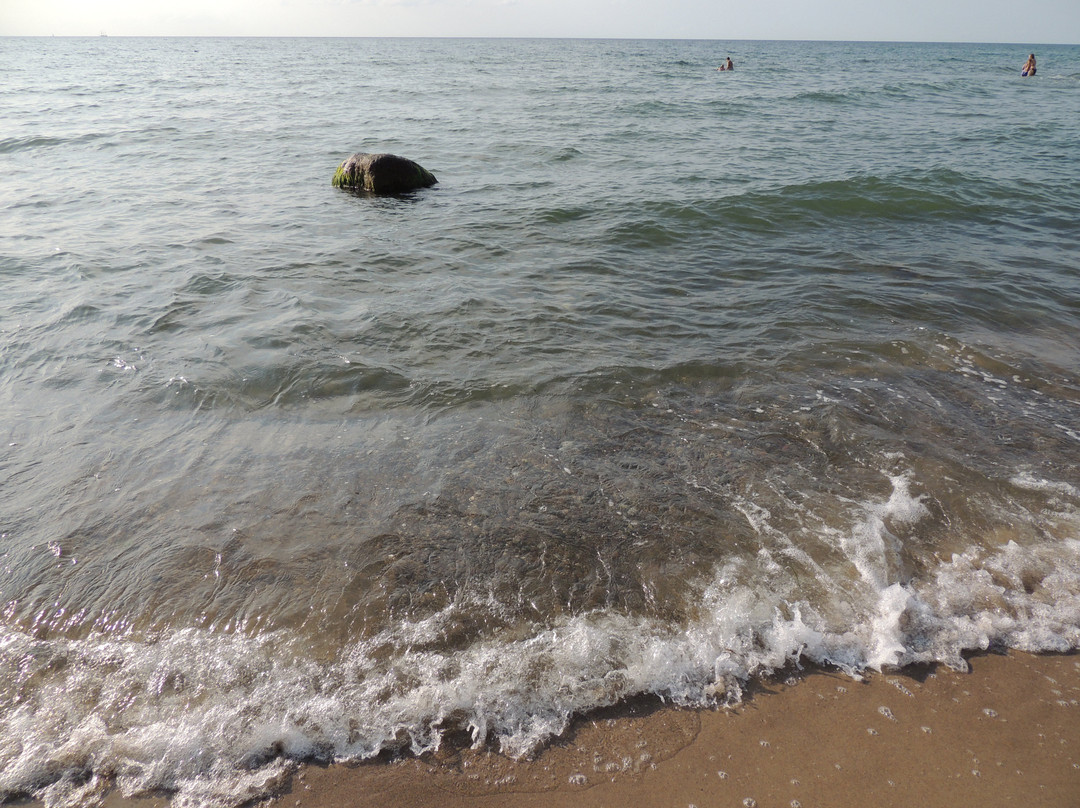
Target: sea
[[677, 380]]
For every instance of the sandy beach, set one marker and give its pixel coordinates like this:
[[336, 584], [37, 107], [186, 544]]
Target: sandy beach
[[1005, 733]]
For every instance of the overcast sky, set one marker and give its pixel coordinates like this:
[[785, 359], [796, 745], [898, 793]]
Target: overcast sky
[[1028, 22]]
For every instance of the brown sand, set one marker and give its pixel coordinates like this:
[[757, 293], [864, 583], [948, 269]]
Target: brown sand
[[1007, 733]]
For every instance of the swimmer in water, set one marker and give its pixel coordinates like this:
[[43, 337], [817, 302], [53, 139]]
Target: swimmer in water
[[1029, 66]]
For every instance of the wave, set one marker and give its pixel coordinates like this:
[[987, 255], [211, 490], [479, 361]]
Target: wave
[[12, 145], [916, 89], [828, 97], [16, 144], [902, 196], [217, 718], [890, 200], [421, 579], [931, 193]]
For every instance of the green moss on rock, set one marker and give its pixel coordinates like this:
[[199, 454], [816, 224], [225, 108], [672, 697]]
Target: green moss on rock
[[341, 179], [382, 174]]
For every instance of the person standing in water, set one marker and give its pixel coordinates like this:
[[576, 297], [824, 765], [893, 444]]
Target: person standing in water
[[1029, 66], [730, 65]]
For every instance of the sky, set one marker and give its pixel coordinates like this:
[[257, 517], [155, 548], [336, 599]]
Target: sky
[[1028, 22]]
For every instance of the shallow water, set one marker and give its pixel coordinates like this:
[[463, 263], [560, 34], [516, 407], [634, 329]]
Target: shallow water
[[676, 378]]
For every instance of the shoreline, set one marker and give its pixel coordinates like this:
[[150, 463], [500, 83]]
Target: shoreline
[[1005, 733]]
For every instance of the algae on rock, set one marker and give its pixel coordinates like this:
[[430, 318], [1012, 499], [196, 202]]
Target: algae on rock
[[382, 174]]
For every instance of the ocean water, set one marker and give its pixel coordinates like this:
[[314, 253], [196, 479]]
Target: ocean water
[[676, 379]]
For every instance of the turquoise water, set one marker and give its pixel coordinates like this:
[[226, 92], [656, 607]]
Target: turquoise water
[[675, 378]]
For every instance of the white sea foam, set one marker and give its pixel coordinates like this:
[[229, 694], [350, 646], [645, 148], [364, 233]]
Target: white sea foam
[[216, 719]]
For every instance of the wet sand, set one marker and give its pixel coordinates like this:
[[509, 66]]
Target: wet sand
[[1006, 733]]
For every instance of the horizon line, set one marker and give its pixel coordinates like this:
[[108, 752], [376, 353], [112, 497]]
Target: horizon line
[[104, 35]]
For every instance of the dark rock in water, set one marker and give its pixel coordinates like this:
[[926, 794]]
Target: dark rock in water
[[382, 174]]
